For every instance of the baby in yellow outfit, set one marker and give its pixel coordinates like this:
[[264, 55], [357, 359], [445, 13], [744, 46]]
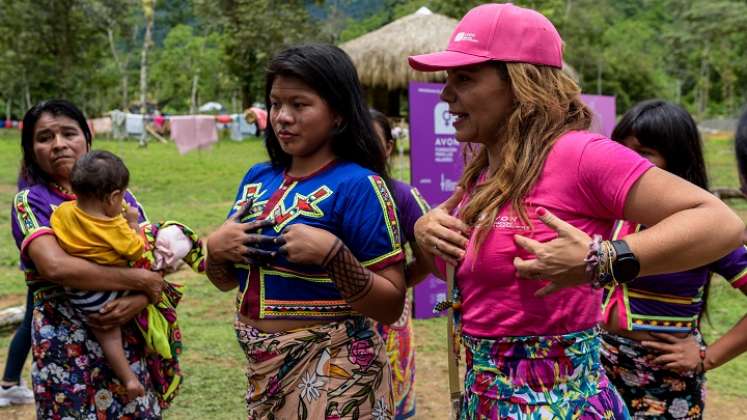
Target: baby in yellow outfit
[[99, 226]]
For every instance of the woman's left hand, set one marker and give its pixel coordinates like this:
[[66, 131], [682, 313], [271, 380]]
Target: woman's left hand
[[118, 312], [677, 354], [561, 260], [303, 244]]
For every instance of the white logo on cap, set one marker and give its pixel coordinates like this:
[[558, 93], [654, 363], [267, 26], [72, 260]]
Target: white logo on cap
[[465, 36]]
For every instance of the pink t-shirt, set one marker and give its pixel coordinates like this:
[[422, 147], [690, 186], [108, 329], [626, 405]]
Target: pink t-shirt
[[585, 181]]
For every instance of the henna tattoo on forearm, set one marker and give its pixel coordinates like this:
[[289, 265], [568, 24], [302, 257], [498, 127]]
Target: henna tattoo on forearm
[[352, 279], [219, 273], [332, 252]]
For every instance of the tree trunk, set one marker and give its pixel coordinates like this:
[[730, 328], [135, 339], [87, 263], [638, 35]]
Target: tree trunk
[[148, 6], [125, 91], [704, 83], [247, 99], [121, 65], [568, 6], [193, 100], [27, 96], [8, 104]]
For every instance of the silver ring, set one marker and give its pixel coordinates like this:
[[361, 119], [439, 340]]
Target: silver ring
[[435, 246]]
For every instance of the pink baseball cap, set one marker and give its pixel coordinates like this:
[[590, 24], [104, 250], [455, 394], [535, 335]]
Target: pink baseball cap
[[500, 32]]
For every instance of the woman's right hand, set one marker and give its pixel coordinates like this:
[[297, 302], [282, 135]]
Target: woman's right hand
[[150, 282], [117, 312], [441, 234], [236, 242]]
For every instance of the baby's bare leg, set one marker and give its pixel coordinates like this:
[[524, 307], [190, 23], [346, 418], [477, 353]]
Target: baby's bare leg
[[111, 343]]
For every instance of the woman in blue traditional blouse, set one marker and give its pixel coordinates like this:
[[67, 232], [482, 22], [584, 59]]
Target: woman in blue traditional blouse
[[313, 244]]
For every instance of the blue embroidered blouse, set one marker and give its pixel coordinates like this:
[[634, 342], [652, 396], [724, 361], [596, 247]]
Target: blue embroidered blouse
[[351, 202]]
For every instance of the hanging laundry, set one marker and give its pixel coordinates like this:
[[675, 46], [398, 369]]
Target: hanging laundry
[[118, 124], [134, 125], [224, 119], [235, 127], [193, 132], [101, 125]]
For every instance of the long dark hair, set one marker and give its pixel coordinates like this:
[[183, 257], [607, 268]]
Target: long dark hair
[[740, 146], [671, 131], [383, 122], [330, 73], [31, 173]]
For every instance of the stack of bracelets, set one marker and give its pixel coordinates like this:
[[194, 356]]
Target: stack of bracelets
[[599, 263]]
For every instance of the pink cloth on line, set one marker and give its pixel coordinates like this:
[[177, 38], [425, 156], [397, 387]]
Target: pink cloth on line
[[585, 181], [193, 132], [101, 125]]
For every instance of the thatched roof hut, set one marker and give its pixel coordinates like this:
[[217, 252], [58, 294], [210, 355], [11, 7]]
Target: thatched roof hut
[[381, 55]]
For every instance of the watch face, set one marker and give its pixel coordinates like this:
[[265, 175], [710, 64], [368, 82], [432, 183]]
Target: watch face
[[626, 268]]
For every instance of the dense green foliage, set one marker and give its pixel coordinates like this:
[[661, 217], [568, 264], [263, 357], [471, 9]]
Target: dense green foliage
[[687, 51]]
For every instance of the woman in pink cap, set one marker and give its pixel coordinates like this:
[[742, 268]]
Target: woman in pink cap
[[524, 231]]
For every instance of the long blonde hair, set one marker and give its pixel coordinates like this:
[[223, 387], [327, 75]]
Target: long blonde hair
[[547, 104]]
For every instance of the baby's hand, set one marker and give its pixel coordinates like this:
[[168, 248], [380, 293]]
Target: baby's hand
[[131, 214]]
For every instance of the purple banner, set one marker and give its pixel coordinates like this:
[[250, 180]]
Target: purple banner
[[436, 161], [435, 167], [604, 113]]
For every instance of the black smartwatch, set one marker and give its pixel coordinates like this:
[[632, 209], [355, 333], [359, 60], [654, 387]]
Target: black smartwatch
[[626, 266]]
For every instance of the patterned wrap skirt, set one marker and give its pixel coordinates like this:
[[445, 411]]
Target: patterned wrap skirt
[[399, 341], [650, 391], [332, 371], [71, 377], [538, 377]]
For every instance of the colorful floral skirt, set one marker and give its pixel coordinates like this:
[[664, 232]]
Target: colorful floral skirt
[[650, 391], [331, 371], [549, 377], [70, 375], [399, 340]]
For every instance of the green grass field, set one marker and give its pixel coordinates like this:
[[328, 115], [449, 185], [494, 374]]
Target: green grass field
[[198, 189]]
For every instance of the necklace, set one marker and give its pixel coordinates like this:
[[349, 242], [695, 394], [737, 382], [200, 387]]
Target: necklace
[[62, 190]]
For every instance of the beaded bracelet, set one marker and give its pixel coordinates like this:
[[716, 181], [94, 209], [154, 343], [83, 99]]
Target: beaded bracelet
[[702, 354], [592, 258], [599, 263]]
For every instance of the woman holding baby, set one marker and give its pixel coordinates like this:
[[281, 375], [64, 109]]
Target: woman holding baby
[[70, 375]]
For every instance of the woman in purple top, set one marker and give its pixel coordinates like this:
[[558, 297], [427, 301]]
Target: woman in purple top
[[70, 376], [652, 348], [399, 336], [12, 388]]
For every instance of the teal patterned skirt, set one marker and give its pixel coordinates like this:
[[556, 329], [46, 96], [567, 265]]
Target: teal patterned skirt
[[539, 377]]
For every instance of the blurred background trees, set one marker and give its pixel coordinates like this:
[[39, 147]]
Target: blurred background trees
[[92, 51]]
